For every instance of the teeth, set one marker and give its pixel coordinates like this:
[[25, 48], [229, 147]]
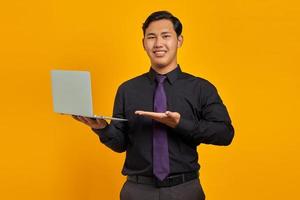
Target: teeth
[[159, 53]]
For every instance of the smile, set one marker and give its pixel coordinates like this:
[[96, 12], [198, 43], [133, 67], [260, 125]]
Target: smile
[[159, 53]]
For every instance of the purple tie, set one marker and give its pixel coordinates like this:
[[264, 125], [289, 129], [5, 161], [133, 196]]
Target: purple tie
[[161, 167]]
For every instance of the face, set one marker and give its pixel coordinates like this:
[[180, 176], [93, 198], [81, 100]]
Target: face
[[161, 43]]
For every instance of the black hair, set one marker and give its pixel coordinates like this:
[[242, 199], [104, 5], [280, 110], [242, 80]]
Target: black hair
[[163, 15]]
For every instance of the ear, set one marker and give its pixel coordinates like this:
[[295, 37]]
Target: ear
[[180, 41], [143, 43]]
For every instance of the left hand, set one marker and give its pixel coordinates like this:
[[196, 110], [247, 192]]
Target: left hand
[[168, 118]]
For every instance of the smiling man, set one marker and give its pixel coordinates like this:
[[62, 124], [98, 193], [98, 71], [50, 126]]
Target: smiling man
[[169, 114]]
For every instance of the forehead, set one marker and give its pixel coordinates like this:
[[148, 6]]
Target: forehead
[[160, 26]]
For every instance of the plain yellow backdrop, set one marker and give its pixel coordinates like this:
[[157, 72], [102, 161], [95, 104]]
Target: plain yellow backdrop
[[248, 49]]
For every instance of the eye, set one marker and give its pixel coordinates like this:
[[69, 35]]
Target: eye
[[166, 36], [150, 37]]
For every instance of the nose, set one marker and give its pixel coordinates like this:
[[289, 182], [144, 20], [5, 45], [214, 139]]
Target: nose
[[158, 42]]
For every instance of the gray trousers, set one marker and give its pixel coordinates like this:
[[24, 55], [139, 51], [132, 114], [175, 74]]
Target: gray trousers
[[191, 190]]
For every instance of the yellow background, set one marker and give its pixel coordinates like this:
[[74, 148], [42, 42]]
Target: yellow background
[[248, 49]]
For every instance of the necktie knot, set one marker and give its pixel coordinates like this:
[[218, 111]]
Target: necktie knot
[[160, 78]]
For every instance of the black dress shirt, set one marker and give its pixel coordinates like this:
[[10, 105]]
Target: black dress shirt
[[204, 119]]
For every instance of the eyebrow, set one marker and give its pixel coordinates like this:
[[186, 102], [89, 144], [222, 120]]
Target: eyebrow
[[150, 34], [163, 33]]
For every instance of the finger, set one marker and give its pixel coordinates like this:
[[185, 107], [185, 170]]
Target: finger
[[171, 114], [75, 117], [101, 122], [90, 120], [154, 115], [139, 112], [146, 113], [83, 119], [78, 118]]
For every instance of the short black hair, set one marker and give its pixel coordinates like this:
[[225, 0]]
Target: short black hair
[[163, 15]]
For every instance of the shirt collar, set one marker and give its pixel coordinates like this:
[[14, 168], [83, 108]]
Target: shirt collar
[[171, 76]]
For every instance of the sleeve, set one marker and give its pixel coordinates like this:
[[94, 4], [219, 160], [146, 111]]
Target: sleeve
[[114, 135], [214, 124]]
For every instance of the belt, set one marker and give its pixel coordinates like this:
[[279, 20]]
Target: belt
[[171, 180]]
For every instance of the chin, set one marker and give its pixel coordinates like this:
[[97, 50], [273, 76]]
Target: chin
[[160, 64]]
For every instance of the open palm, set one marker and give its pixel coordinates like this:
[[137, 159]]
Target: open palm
[[168, 118]]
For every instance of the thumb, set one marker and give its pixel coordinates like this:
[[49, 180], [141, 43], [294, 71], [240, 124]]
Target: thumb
[[100, 120], [174, 115], [170, 114]]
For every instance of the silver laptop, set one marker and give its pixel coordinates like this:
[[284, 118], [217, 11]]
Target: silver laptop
[[72, 94]]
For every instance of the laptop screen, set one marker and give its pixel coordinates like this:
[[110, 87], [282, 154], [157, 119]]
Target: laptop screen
[[71, 92]]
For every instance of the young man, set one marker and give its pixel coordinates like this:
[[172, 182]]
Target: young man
[[169, 114]]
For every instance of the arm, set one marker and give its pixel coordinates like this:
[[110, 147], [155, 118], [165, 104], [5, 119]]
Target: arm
[[214, 124], [114, 135]]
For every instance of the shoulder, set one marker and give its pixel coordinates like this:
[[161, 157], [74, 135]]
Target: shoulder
[[202, 83], [133, 82]]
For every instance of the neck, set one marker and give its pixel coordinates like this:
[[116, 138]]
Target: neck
[[164, 69]]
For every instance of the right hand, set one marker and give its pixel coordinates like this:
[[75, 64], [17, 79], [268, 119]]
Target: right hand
[[91, 122]]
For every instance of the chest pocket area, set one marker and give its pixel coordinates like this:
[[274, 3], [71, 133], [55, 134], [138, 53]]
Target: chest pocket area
[[186, 107]]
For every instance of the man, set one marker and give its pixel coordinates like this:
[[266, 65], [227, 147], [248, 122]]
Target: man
[[169, 114]]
